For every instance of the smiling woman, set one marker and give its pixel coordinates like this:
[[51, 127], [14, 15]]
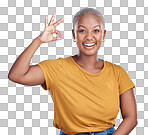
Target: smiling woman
[[88, 33], [87, 92]]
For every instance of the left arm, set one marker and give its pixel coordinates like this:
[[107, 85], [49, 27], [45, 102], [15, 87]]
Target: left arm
[[129, 113]]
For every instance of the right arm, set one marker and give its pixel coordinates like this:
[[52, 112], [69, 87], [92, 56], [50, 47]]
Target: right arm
[[21, 72]]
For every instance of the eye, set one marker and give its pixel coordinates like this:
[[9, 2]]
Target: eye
[[81, 31], [96, 30]]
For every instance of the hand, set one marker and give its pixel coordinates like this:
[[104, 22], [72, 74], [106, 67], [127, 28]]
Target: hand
[[47, 34]]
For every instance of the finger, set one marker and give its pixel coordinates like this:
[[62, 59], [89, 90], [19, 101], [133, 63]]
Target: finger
[[58, 22], [57, 32], [52, 19], [46, 21], [57, 38]]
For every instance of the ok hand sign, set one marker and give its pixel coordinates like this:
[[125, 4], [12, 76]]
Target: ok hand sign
[[47, 34]]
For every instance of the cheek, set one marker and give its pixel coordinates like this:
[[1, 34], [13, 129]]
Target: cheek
[[80, 36], [98, 37]]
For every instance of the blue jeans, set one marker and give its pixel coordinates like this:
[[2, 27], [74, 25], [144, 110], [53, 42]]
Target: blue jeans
[[108, 131]]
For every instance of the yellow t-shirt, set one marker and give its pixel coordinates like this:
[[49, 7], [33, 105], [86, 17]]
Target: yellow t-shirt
[[84, 101]]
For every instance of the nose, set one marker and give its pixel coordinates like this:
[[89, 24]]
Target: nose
[[89, 35]]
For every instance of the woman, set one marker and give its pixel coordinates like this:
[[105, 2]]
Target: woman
[[87, 91]]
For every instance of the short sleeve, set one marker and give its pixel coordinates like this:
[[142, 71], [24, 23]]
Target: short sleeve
[[50, 70], [124, 81]]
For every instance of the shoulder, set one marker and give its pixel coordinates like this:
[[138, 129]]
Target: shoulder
[[117, 69], [59, 61], [64, 62], [113, 65], [52, 62]]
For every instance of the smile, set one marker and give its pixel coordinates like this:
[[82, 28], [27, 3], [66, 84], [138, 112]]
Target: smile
[[89, 46]]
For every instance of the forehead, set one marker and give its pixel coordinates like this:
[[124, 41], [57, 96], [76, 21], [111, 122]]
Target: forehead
[[89, 19]]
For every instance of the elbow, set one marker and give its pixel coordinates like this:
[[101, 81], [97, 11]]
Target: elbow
[[9, 76], [136, 122], [12, 77], [132, 120]]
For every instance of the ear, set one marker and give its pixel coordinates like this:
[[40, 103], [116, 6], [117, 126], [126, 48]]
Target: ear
[[73, 33], [104, 34]]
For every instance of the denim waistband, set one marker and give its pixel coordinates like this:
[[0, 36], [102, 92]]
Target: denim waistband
[[108, 131]]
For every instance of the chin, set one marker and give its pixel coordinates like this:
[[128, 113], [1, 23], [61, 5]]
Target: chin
[[89, 53]]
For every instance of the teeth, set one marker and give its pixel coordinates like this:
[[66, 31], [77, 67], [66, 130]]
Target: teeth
[[89, 44]]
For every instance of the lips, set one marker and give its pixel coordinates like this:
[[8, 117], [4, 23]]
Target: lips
[[89, 44]]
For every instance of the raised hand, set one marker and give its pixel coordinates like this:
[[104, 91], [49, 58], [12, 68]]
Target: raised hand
[[47, 34]]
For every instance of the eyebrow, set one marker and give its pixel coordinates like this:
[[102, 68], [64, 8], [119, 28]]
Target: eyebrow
[[84, 26]]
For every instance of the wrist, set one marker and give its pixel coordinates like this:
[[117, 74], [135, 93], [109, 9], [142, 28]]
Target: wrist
[[38, 39]]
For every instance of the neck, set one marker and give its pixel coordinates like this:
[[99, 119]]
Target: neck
[[89, 62]]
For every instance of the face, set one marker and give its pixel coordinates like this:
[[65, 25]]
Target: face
[[88, 30]]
